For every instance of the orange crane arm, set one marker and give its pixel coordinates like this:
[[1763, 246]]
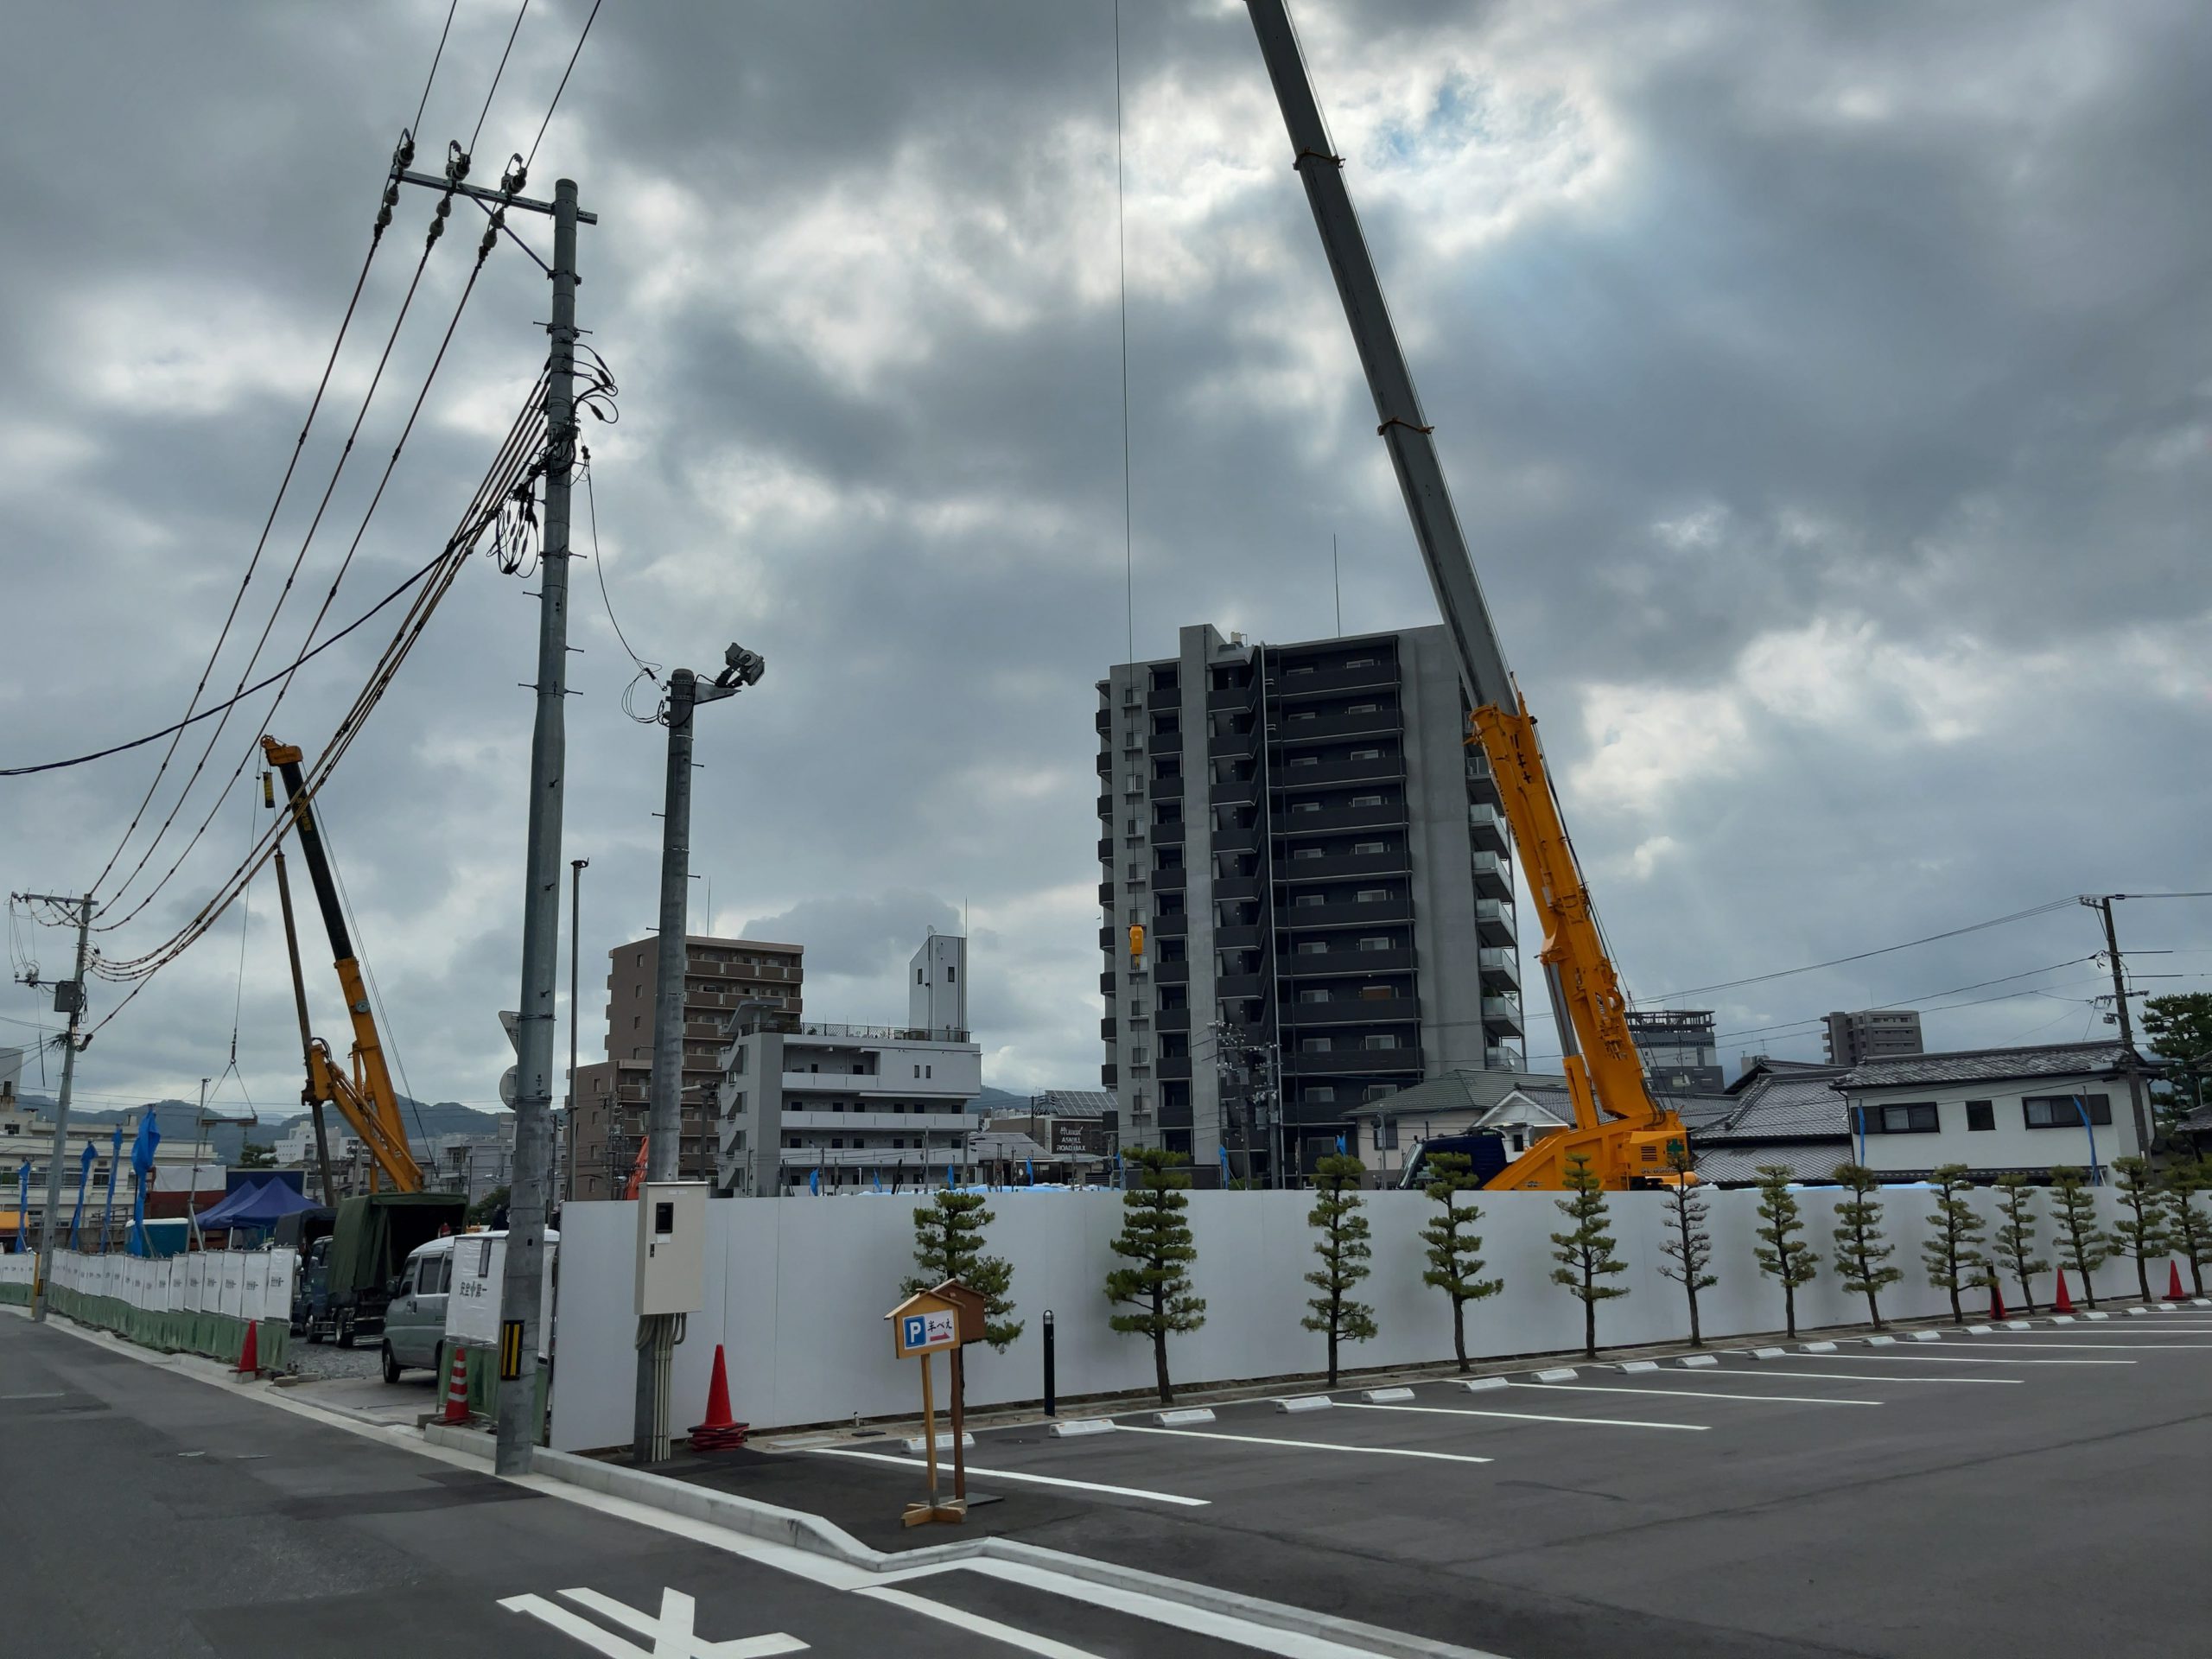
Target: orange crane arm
[[367, 1100], [1625, 1134]]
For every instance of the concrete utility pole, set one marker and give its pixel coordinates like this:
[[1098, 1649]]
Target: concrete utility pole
[[657, 1332], [70, 997], [2103, 904]]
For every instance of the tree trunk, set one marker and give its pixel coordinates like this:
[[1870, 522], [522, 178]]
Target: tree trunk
[[1460, 1330], [1160, 1345], [1697, 1338], [2088, 1290], [2143, 1276], [1958, 1309], [2197, 1275], [1589, 1323], [1788, 1304], [2027, 1295], [1874, 1309], [1333, 1348]]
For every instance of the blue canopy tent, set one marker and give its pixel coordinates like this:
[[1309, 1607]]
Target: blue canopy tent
[[259, 1205]]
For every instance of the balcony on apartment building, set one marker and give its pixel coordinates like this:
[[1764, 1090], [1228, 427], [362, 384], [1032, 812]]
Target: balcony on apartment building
[[1302, 682], [1500, 969], [1354, 1010], [1502, 1016], [1348, 913], [1382, 721], [1487, 829], [1493, 876], [1494, 922], [1295, 870], [1323, 774], [1339, 1062], [1322, 819], [1482, 782]]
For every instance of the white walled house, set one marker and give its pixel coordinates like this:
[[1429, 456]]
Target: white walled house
[[2058, 1105], [852, 1105]]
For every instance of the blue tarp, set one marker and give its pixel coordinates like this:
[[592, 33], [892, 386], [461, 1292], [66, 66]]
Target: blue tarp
[[260, 1205]]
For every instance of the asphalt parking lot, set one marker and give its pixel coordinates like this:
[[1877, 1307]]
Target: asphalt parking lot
[[2014, 1490]]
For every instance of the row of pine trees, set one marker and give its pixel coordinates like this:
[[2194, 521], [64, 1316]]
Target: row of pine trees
[[1153, 1292]]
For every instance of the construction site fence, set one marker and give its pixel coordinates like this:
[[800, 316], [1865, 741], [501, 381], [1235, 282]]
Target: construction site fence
[[199, 1303]]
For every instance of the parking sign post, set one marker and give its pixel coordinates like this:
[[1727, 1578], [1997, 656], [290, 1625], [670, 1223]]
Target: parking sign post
[[928, 1323]]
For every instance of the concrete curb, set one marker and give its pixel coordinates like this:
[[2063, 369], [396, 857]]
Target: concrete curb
[[1312, 1401], [1633, 1367], [798, 1530], [455, 1438], [1182, 1418], [1557, 1374], [1691, 1362], [1480, 1384], [1385, 1396], [1080, 1427]]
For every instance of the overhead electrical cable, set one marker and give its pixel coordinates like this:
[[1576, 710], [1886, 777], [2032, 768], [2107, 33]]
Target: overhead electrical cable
[[344, 564], [330, 489], [436, 57], [581, 36], [1864, 955], [284, 486], [519, 13]]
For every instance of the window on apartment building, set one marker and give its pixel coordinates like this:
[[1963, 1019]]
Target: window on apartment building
[[1139, 1055], [1376, 1039], [2061, 1112], [1376, 1091], [1363, 708], [1305, 806], [1319, 1094], [1366, 800], [1386, 1135], [1318, 993], [917, 975], [792, 1142], [1163, 679], [1168, 858], [1911, 1117], [1313, 1045], [1297, 760], [1305, 852], [1982, 1115], [1360, 662], [1313, 947], [1308, 900], [1366, 754], [1166, 725], [1377, 944], [951, 973], [635, 1020], [1369, 849]]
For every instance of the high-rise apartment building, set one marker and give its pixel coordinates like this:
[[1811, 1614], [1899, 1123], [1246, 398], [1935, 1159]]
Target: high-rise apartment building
[[722, 977], [1872, 1034], [1317, 859]]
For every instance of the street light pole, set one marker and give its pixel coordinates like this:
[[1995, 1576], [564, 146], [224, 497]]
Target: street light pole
[[70, 997], [665, 1114]]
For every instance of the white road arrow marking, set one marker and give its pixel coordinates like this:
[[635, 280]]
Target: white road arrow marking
[[672, 1632]]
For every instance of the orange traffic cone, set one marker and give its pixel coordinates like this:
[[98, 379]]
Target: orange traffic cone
[[2065, 1303], [721, 1432], [1996, 1302], [457, 1387], [2174, 1292], [250, 1350]]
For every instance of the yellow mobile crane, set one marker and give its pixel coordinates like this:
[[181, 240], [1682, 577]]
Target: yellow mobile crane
[[366, 1098], [1624, 1129]]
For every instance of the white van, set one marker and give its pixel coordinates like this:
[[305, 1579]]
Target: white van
[[415, 1322], [448, 1296]]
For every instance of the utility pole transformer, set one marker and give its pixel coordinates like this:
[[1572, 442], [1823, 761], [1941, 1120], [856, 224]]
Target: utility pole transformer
[[73, 998]]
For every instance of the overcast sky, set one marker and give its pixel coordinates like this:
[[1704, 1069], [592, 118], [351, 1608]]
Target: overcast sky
[[1827, 390]]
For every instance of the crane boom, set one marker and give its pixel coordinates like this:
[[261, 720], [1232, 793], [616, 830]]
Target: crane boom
[[1624, 1131], [366, 1099]]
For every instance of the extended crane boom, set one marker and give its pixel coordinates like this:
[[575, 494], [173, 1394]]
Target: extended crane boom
[[1626, 1133], [366, 1098]]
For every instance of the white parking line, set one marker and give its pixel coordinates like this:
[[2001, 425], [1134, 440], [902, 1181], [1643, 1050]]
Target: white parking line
[[1527, 1417], [1009, 1474], [1309, 1445], [1697, 1393], [975, 1624], [1881, 1377], [2031, 1343], [1956, 1359]]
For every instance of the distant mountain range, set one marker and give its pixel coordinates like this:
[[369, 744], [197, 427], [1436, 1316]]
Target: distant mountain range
[[226, 1141]]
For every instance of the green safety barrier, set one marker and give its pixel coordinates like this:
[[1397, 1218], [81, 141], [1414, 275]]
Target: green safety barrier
[[214, 1335], [483, 1369]]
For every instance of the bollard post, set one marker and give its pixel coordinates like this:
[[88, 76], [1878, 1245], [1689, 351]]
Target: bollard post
[[1052, 1408]]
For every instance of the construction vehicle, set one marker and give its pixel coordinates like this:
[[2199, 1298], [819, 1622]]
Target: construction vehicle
[[1628, 1137], [350, 1276], [366, 1098]]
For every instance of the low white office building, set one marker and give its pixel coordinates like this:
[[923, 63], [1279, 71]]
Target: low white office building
[[1996, 1110], [805, 1103]]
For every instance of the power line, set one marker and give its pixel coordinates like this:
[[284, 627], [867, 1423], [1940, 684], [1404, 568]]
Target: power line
[[258, 685], [496, 73], [360, 281], [564, 87], [435, 58], [436, 363], [1863, 955]]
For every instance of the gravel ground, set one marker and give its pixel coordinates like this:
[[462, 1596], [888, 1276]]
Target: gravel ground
[[327, 1359]]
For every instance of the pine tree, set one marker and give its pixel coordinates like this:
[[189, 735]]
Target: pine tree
[[1156, 1236], [948, 1244], [1782, 1252], [1343, 1251], [1861, 1255], [2192, 1226], [2016, 1235], [2144, 1230], [1585, 1253], [2082, 1240], [1688, 1246], [1954, 1250], [1453, 1266]]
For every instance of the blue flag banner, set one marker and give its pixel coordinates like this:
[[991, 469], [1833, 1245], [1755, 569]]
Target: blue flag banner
[[114, 1163], [949, 1181], [84, 1179], [1340, 1146], [141, 1169], [1029, 1166], [876, 1175]]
